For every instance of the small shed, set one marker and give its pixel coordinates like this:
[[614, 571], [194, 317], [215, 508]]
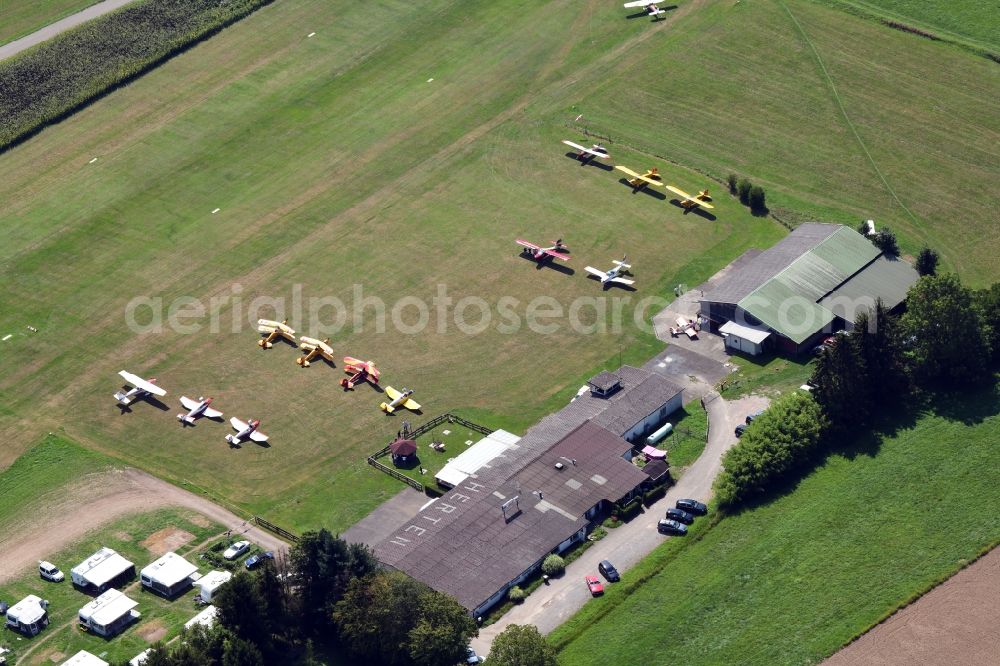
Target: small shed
[[84, 658], [747, 339], [210, 582], [102, 571], [108, 614], [170, 575], [658, 472], [29, 615], [403, 451]]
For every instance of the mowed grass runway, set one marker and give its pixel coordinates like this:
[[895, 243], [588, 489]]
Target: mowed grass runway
[[335, 162]]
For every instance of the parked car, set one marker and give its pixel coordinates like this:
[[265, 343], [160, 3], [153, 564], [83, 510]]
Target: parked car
[[680, 515], [3, 607], [594, 585], [49, 571], [257, 559], [608, 571], [692, 506], [751, 417], [740, 429], [236, 550], [472, 658], [671, 527]]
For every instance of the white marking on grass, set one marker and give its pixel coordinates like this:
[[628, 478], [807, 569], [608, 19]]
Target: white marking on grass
[[468, 442], [429, 80], [311, 34], [216, 211], [446, 432], [8, 337], [92, 161]]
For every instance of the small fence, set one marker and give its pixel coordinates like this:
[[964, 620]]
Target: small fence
[[447, 417], [280, 531]]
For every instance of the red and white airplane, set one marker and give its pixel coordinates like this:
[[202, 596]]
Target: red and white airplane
[[143, 388], [360, 371], [540, 254], [196, 408], [648, 5], [245, 431], [587, 154]]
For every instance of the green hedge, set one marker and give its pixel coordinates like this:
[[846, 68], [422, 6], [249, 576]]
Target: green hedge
[[655, 494], [49, 82]]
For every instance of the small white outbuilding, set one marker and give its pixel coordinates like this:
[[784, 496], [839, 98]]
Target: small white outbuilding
[[84, 658], [29, 615], [210, 582]]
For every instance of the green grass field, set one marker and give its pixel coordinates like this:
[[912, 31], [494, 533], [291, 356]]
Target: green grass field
[[335, 161], [791, 581], [22, 17], [161, 619]]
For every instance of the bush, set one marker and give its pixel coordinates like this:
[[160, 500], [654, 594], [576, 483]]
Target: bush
[[654, 495], [630, 510], [927, 262], [743, 188], [757, 204], [885, 240], [516, 595], [47, 83], [553, 565], [598, 534], [731, 181]]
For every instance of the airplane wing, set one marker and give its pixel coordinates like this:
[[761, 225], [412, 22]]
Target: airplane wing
[[212, 413], [594, 271], [621, 280], [141, 383], [351, 361], [639, 3], [268, 322], [640, 177], [258, 436], [188, 402], [627, 170], [574, 145], [308, 343], [589, 151], [687, 197], [238, 425], [392, 393], [557, 255], [530, 246], [266, 329], [411, 404]]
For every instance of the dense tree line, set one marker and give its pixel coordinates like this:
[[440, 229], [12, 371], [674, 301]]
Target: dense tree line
[[327, 595], [949, 336]]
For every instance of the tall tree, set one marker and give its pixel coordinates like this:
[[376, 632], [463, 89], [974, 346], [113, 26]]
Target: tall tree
[[877, 340], [324, 566], [521, 645], [927, 262], [945, 340], [375, 616], [241, 652], [442, 633], [987, 302], [842, 383], [242, 610]]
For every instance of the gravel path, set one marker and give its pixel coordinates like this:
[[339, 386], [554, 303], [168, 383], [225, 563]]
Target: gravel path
[[53, 29], [100, 499]]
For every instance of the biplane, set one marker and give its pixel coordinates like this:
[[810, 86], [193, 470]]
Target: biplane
[[585, 155], [196, 408], [651, 177], [244, 431], [141, 389], [556, 251], [272, 330], [399, 399], [360, 371], [648, 5], [614, 275], [691, 202], [314, 349]]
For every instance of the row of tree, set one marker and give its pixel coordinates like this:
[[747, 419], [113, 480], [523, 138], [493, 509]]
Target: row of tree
[[749, 194], [329, 596], [948, 336]]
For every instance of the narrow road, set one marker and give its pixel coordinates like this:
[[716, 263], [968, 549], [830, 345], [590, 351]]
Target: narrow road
[[53, 29], [110, 496], [551, 605]]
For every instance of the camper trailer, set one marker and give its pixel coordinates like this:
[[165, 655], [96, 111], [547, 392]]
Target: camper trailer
[[108, 614], [29, 615], [170, 575], [102, 571]]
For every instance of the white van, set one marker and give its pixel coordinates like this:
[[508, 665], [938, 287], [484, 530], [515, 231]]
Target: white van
[[49, 571]]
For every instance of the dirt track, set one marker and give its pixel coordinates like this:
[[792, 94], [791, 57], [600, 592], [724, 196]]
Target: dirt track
[[955, 623], [99, 499]]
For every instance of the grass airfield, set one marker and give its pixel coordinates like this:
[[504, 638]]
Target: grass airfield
[[334, 161]]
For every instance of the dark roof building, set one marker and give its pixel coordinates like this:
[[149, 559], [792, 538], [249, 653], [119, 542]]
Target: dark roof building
[[494, 528], [813, 282]]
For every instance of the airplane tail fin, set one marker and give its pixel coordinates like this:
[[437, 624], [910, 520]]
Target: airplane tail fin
[[122, 398], [185, 419], [387, 408]]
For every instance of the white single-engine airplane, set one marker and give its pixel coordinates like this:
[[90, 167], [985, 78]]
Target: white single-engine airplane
[[245, 431], [143, 388], [614, 273], [540, 254], [399, 399], [196, 408], [587, 154], [649, 5]]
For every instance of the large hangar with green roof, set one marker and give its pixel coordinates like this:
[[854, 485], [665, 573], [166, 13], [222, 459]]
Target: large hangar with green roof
[[815, 281]]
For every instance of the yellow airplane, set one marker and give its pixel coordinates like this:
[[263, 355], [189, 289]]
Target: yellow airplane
[[314, 348], [399, 399], [274, 330], [689, 202], [651, 177]]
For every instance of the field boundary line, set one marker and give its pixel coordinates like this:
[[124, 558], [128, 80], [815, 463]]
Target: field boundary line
[[843, 111]]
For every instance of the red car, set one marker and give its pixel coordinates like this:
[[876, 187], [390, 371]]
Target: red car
[[594, 585]]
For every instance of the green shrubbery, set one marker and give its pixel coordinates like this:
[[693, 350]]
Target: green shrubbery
[[516, 595], [47, 83], [553, 565]]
